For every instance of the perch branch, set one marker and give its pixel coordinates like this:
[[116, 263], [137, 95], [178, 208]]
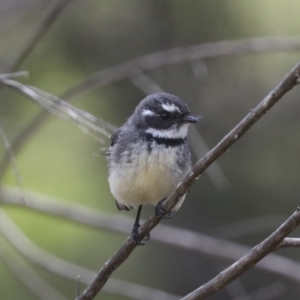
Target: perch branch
[[290, 80]]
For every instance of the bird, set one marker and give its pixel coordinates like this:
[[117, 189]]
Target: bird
[[149, 155]]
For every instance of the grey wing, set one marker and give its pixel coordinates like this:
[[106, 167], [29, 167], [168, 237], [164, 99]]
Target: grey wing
[[114, 139]]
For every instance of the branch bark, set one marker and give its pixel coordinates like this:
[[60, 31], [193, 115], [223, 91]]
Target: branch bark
[[246, 262], [255, 114]]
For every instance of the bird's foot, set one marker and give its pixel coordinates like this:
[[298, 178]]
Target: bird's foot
[[161, 212], [136, 238]]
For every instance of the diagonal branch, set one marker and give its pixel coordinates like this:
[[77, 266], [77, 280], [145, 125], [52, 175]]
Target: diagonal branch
[[274, 96], [63, 109], [247, 261]]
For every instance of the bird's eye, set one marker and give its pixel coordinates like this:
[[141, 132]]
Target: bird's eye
[[165, 116]]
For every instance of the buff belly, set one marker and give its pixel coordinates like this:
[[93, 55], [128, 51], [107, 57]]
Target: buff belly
[[149, 178]]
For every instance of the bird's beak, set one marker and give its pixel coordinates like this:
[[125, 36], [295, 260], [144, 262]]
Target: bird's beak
[[190, 119]]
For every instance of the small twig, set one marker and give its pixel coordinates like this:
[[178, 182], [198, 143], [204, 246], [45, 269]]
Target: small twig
[[15, 59], [14, 75], [110, 266], [289, 242], [61, 108], [247, 261]]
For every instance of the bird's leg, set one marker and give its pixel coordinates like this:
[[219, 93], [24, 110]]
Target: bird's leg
[[161, 212], [135, 229]]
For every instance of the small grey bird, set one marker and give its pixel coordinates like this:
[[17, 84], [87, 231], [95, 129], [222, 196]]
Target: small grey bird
[[149, 155]]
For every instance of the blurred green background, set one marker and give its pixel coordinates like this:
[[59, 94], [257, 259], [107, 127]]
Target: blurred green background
[[262, 169]]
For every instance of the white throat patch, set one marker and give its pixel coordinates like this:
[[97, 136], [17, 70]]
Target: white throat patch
[[172, 133]]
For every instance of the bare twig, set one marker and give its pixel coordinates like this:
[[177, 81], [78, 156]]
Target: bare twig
[[28, 276], [134, 67], [175, 237], [14, 75], [289, 242], [15, 59], [70, 270], [149, 62], [247, 261], [110, 266], [61, 108]]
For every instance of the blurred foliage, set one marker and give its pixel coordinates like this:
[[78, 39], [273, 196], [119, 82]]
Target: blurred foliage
[[60, 161]]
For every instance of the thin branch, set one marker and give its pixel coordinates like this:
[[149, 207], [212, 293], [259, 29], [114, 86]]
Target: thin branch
[[15, 59], [168, 235], [160, 59], [61, 108], [110, 266], [14, 75], [70, 270], [134, 67], [247, 261], [290, 242], [28, 276]]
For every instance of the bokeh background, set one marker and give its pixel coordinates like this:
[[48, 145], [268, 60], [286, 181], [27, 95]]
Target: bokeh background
[[256, 187]]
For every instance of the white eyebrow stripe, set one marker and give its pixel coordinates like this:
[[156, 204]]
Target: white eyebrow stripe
[[147, 112], [170, 107]]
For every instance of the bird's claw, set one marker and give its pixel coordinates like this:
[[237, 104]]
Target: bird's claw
[[136, 238], [161, 212]]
